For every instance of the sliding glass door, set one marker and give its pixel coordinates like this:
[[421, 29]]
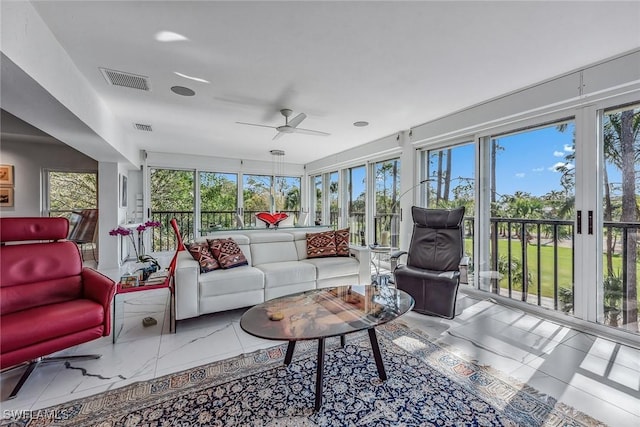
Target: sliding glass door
[[450, 182], [356, 179], [218, 200], [617, 302], [172, 196], [386, 175], [532, 197]]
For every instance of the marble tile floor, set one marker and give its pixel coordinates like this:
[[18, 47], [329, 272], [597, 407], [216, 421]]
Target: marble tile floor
[[592, 374]]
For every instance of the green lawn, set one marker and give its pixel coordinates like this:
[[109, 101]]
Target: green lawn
[[547, 266]]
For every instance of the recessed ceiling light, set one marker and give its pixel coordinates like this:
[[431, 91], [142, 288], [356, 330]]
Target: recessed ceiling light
[[198, 79], [181, 90], [361, 124], [169, 36]]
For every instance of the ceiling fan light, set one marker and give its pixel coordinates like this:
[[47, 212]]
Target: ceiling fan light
[[285, 129]]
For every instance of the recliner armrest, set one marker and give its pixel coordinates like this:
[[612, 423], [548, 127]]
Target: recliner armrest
[[397, 254], [99, 288], [393, 258], [449, 274]]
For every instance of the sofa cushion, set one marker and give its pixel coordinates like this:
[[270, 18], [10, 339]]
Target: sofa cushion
[[334, 266], [286, 273], [268, 247], [222, 282], [227, 252], [200, 252], [28, 327], [342, 242], [321, 244]]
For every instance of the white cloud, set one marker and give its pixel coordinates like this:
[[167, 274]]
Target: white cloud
[[520, 175], [568, 148], [537, 169], [558, 153], [556, 167]]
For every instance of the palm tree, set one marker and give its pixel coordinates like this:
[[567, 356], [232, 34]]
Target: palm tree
[[625, 126]]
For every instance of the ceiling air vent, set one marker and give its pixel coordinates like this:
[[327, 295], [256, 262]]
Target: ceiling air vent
[[142, 127], [119, 78]]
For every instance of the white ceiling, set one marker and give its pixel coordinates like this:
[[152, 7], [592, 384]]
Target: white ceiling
[[393, 64]]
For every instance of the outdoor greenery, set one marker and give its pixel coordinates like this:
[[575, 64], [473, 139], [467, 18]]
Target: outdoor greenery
[[69, 191], [621, 146]]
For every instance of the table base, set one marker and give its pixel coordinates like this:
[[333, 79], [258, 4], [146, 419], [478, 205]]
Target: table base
[[377, 356]]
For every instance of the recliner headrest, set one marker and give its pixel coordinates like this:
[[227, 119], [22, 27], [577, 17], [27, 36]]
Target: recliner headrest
[[33, 228], [437, 218]]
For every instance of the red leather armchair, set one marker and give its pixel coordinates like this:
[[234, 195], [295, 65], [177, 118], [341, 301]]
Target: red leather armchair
[[48, 301]]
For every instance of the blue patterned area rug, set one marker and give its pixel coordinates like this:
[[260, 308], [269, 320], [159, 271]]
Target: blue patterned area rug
[[426, 386]]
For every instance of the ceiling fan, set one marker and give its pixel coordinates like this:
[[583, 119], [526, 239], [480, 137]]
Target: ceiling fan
[[290, 126]]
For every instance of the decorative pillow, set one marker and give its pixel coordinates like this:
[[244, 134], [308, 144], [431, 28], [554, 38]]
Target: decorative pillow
[[342, 242], [201, 253], [227, 252], [321, 244]]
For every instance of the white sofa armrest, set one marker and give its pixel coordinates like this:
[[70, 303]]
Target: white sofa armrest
[[363, 255], [186, 286]]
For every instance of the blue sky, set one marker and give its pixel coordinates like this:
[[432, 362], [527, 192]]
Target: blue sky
[[528, 162]]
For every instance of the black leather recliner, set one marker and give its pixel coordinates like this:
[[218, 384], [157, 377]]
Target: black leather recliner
[[432, 273]]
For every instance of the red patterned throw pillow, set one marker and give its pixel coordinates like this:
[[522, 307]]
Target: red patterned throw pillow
[[201, 253], [321, 244], [342, 242], [227, 252]]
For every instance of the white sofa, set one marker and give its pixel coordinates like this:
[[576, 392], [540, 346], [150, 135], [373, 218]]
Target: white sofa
[[278, 265]]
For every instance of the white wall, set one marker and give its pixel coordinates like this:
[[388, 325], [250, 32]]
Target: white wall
[[30, 51], [30, 160]]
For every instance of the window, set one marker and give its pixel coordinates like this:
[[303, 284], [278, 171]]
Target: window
[[532, 196], [356, 203], [218, 199], [256, 192], [618, 288], [287, 195], [387, 191], [450, 174], [71, 191], [74, 195], [172, 196], [317, 201], [334, 207]]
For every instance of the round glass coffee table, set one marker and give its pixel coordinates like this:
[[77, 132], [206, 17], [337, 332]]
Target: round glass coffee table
[[322, 313]]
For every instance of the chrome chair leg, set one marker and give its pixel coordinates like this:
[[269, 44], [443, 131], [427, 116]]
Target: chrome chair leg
[[31, 366]]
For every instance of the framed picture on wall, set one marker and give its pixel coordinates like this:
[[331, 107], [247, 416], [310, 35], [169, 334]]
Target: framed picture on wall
[[123, 191], [6, 175], [6, 197]]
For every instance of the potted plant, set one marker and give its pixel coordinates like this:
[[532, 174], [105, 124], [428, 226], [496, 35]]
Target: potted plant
[[149, 263]]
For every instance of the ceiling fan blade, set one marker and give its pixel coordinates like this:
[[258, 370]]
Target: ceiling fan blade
[[278, 135], [310, 132], [255, 124], [297, 120]]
